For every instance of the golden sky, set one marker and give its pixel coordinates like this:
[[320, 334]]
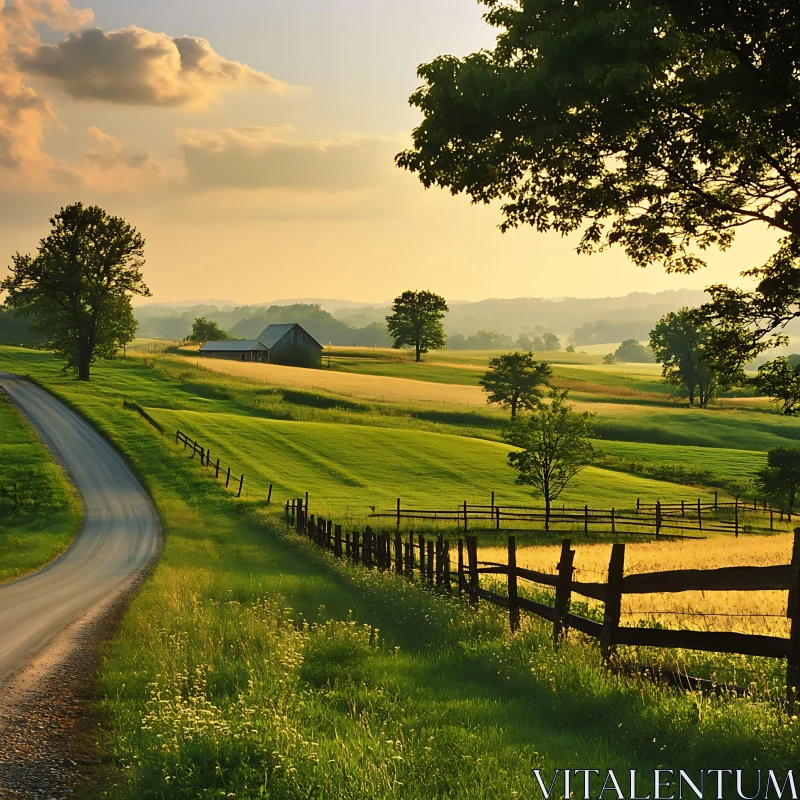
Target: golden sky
[[252, 144]]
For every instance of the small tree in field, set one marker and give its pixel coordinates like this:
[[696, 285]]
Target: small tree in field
[[204, 330], [514, 381], [780, 479], [553, 445], [416, 321], [77, 288]]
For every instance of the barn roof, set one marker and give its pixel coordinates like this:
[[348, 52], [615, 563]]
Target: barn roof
[[234, 345], [272, 334]]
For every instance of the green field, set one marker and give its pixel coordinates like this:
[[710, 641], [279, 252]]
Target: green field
[[39, 511], [272, 671]]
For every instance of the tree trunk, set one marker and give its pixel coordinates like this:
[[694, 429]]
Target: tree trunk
[[546, 513], [514, 406], [83, 367], [419, 352]]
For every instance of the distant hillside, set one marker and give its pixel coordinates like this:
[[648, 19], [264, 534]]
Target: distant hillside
[[582, 320]]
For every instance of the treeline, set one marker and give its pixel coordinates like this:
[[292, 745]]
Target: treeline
[[247, 322]]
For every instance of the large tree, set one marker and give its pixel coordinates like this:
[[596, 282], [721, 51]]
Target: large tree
[[553, 445], [77, 288], [416, 321], [780, 479], [780, 380], [679, 342], [205, 330], [515, 381], [663, 126]]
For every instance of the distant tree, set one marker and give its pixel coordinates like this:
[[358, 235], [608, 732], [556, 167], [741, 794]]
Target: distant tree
[[204, 330], [553, 445], [570, 348], [779, 379], [609, 359], [603, 331], [630, 350], [514, 381], [456, 342], [488, 340], [77, 288], [550, 342], [678, 342], [524, 343], [780, 479], [416, 322]]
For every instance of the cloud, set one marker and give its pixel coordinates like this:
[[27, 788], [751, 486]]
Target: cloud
[[23, 113], [110, 168], [257, 158], [135, 66]]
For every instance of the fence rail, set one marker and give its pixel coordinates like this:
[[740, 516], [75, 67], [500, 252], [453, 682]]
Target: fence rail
[[221, 471], [411, 555]]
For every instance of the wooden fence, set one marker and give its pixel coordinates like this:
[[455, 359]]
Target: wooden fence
[[430, 560], [220, 470]]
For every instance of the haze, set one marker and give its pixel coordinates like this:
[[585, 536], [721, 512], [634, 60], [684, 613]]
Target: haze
[[252, 143]]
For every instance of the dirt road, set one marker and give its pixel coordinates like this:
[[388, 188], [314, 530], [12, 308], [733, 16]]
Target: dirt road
[[47, 619]]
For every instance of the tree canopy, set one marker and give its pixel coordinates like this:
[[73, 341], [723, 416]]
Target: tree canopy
[[780, 380], [662, 126], [77, 288], [780, 479], [515, 381], [633, 351], [553, 445], [416, 322], [204, 330], [679, 342]]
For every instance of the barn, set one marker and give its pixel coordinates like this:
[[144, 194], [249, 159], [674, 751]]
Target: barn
[[287, 344]]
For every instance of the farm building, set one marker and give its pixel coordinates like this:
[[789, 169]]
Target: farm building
[[287, 344]]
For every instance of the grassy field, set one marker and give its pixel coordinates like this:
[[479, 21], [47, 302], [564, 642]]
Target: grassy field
[[39, 510], [272, 671]]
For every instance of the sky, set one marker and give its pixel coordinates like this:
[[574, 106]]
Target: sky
[[251, 142]]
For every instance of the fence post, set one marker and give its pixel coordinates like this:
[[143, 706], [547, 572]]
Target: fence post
[[411, 558], [461, 581], [216, 475], [398, 553], [177, 434], [472, 556], [637, 505], [241, 483], [793, 612], [658, 518], [446, 551], [329, 536], [563, 590], [354, 552], [492, 514], [699, 515], [269, 495], [613, 522], [430, 563], [348, 548], [422, 556], [465, 516], [338, 540], [439, 560], [311, 527], [306, 505], [513, 597], [367, 547], [228, 478], [613, 603], [497, 517], [586, 519], [683, 508], [300, 522], [194, 448], [736, 518]]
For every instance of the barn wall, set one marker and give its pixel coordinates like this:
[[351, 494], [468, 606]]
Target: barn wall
[[296, 349]]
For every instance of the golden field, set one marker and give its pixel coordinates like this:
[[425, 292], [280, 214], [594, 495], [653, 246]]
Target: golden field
[[745, 612]]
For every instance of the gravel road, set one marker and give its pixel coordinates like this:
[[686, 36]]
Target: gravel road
[[47, 618]]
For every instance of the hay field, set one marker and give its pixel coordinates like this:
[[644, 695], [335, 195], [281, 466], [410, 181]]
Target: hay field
[[372, 387], [745, 612]]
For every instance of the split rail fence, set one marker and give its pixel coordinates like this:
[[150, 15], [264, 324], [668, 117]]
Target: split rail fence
[[219, 468], [410, 555]]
